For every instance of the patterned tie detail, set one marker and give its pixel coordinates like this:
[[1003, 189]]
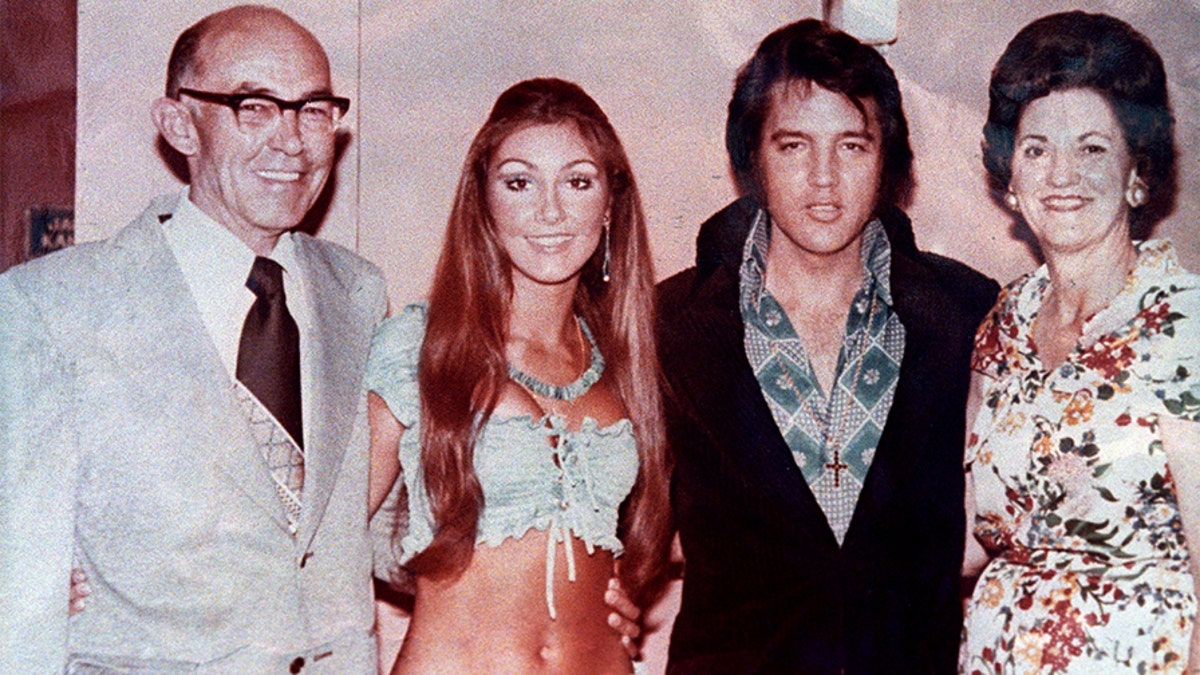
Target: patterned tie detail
[[283, 458]]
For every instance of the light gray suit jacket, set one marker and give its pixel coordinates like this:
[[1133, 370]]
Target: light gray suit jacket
[[121, 447]]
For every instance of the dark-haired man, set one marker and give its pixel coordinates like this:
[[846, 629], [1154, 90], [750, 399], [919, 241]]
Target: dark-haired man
[[818, 368], [181, 412]]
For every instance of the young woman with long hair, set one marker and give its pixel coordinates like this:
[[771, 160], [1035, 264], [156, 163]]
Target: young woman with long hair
[[524, 402]]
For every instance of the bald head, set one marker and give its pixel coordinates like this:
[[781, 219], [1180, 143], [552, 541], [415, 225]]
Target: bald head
[[207, 37]]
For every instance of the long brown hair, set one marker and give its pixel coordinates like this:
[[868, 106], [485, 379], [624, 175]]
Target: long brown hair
[[462, 365]]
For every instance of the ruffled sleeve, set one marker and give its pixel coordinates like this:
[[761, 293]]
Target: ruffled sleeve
[[392, 368], [1173, 366]]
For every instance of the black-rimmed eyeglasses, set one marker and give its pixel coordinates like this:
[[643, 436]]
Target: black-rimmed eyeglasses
[[256, 112]]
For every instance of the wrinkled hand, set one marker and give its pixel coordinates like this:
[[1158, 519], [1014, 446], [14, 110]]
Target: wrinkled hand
[[625, 617], [80, 590]]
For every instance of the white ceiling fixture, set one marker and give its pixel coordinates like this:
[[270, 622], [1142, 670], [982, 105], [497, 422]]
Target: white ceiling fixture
[[871, 21]]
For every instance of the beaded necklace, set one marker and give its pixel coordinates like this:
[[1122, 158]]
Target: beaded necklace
[[566, 392]]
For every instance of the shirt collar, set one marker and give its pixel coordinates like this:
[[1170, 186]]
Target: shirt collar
[[1156, 262], [215, 265], [210, 255], [877, 260], [212, 252], [754, 260], [285, 253]]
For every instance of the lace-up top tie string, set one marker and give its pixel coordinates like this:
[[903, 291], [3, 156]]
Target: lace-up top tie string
[[573, 470]]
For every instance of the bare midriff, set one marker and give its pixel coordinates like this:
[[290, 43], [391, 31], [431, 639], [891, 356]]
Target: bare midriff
[[494, 618]]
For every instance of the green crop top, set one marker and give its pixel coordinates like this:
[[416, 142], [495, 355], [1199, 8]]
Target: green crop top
[[535, 473]]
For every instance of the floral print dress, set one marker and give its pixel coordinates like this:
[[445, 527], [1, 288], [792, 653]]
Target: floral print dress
[[1074, 499]]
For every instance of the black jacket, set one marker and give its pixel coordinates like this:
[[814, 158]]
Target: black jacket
[[766, 586]]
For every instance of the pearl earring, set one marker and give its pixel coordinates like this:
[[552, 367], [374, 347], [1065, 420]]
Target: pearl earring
[[1011, 201], [1137, 194]]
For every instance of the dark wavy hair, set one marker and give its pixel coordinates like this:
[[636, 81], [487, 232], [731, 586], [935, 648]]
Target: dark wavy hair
[[812, 52], [462, 364], [1077, 50]]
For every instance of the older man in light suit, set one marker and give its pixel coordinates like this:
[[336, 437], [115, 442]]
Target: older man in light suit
[[181, 412]]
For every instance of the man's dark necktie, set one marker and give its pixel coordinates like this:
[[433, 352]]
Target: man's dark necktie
[[268, 360]]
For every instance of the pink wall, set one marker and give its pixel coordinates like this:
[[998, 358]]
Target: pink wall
[[423, 75]]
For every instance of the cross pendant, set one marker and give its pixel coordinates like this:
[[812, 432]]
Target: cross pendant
[[837, 465]]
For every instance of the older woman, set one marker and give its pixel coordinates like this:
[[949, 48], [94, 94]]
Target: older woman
[[524, 402], [1082, 454]]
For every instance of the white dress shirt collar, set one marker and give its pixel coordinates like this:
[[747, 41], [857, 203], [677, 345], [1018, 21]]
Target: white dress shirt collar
[[215, 265]]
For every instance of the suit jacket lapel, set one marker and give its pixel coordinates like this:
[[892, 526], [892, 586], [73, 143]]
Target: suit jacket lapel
[[764, 458], [337, 355], [157, 331], [898, 454]]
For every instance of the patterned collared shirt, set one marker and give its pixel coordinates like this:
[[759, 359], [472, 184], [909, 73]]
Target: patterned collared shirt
[[832, 437]]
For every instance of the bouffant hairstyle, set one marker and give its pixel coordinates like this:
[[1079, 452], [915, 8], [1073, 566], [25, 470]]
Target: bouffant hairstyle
[[1077, 50]]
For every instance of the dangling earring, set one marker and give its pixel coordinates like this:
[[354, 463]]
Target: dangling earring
[[1011, 201], [607, 255], [1137, 194]]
